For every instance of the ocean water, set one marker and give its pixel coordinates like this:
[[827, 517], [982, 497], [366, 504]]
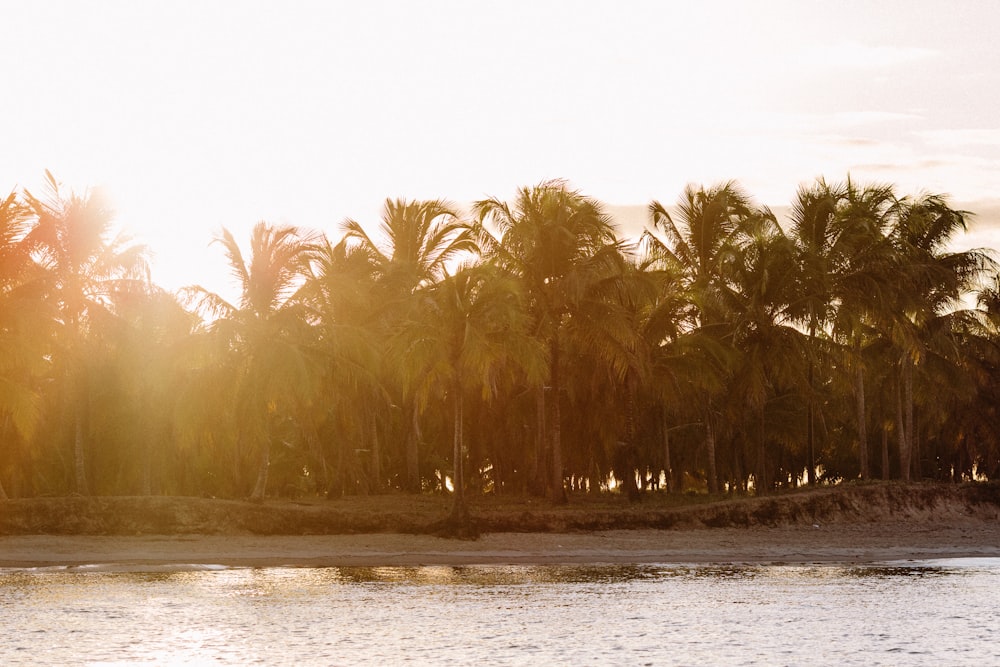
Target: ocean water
[[905, 613]]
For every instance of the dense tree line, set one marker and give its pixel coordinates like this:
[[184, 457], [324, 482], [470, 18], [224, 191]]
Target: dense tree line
[[524, 348]]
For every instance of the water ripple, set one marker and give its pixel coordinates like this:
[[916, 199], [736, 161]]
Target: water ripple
[[913, 613]]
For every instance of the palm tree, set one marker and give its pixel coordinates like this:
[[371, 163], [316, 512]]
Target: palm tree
[[469, 333], [704, 242], [975, 446], [150, 334], [558, 244], [84, 270], [858, 258], [340, 293], [267, 332], [25, 328], [931, 281], [416, 243], [203, 427], [418, 239], [771, 349], [679, 357], [823, 251], [607, 364]]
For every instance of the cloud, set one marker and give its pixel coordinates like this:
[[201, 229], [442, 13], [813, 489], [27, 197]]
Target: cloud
[[869, 117], [855, 142], [827, 125], [853, 55], [905, 166], [954, 138], [984, 225]]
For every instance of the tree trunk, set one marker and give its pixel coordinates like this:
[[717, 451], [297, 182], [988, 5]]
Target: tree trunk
[[147, 481], [885, 453], [810, 448], [627, 463], [859, 398], [322, 483], [376, 483], [761, 483], [539, 460], [147, 460], [713, 479], [413, 437], [459, 509], [338, 480], [810, 412], [260, 487], [668, 471], [908, 415], [901, 435], [5, 429], [557, 493], [79, 463]]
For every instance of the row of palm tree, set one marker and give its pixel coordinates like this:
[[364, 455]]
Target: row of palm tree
[[526, 348]]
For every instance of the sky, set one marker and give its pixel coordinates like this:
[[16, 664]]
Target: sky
[[194, 116]]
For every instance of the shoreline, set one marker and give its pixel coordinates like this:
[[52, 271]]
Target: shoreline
[[836, 543]]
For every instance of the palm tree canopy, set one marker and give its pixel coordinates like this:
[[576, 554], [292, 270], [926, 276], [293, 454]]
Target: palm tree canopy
[[269, 326], [555, 240], [278, 258], [549, 230], [24, 321], [704, 240], [69, 239], [418, 241], [469, 331], [704, 234]]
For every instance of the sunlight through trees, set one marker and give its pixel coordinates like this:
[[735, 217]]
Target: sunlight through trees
[[528, 348]]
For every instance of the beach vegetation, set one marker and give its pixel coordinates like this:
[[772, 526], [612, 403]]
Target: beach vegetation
[[521, 348]]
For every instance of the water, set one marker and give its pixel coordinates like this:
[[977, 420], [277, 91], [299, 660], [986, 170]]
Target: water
[[913, 613]]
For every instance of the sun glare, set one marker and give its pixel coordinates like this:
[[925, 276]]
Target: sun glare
[[208, 124]]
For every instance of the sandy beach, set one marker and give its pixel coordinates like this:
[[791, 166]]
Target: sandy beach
[[849, 524], [858, 543]]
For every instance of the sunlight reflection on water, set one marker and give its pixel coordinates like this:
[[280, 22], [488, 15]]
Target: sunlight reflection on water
[[914, 613]]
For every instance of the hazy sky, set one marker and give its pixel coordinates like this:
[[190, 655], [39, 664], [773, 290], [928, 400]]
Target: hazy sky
[[199, 115]]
